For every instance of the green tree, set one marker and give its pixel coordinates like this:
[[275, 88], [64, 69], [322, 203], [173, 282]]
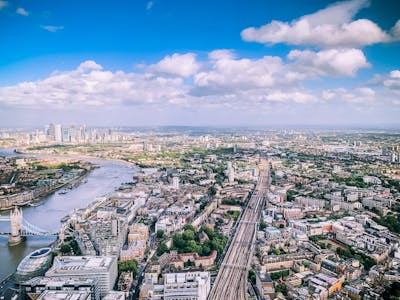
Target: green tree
[[390, 221], [161, 249], [281, 288], [252, 276], [188, 235], [212, 191], [65, 248], [178, 241], [129, 265], [75, 247], [160, 233], [263, 225], [189, 227], [205, 250], [279, 274], [192, 246]]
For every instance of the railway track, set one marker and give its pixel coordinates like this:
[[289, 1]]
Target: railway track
[[231, 281]]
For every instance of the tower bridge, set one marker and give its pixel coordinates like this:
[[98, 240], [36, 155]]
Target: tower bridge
[[19, 227]]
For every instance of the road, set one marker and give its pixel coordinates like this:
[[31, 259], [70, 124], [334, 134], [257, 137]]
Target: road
[[231, 282]]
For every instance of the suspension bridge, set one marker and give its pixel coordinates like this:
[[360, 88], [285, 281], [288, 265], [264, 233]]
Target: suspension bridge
[[19, 227]]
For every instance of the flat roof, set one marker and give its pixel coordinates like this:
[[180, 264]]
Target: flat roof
[[68, 264]]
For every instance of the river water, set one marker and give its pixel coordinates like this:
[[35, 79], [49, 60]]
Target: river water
[[52, 208]]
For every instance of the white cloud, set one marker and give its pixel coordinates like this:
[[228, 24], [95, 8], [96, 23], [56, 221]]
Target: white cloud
[[3, 4], [393, 80], [183, 65], [396, 31], [395, 74], [295, 96], [22, 11], [52, 28], [389, 81], [334, 62], [228, 74], [88, 66], [361, 95], [329, 27], [224, 73], [228, 82], [89, 85], [365, 91], [221, 54], [223, 82]]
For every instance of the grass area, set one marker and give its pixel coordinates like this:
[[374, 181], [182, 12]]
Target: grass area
[[233, 214], [329, 244]]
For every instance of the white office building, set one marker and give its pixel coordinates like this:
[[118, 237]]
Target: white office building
[[190, 285], [58, 133], [103, 268]]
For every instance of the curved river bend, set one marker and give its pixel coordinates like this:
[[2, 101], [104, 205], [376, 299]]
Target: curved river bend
[[52, 208]]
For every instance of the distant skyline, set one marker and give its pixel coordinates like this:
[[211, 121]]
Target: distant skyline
[[201, 63]]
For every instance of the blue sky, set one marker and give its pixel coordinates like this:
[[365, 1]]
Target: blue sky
[[199, 62]]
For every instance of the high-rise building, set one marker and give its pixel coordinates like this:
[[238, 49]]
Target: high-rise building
[[58, 133], [73, 133], [65, 135], [103, 268], [51, 132], [82, 133]]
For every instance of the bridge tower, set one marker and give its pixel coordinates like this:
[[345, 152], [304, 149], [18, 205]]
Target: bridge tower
[[15, 222]]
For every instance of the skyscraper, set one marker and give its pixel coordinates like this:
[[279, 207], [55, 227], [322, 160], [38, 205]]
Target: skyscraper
[[51, 132], [58, 133], [65, 134]]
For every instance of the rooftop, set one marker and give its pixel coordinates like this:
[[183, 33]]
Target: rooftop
[[64, 295], [93, 264]]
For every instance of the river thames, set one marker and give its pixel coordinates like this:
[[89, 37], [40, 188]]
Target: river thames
[[52, 208]]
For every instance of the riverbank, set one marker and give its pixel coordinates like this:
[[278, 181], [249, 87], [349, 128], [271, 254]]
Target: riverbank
[[29, 198], [75, 156]]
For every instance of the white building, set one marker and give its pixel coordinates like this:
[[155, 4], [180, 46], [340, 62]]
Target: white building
[[58, 133], [231, 175], [372, 180], [230, 172], [191, 285], [68, 295], [103, 268], [175, 182], [114, 295]]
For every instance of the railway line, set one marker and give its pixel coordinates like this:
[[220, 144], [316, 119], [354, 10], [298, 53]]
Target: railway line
[[231, 281]]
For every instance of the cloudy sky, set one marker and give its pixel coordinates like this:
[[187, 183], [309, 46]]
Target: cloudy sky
[[236, 63]]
